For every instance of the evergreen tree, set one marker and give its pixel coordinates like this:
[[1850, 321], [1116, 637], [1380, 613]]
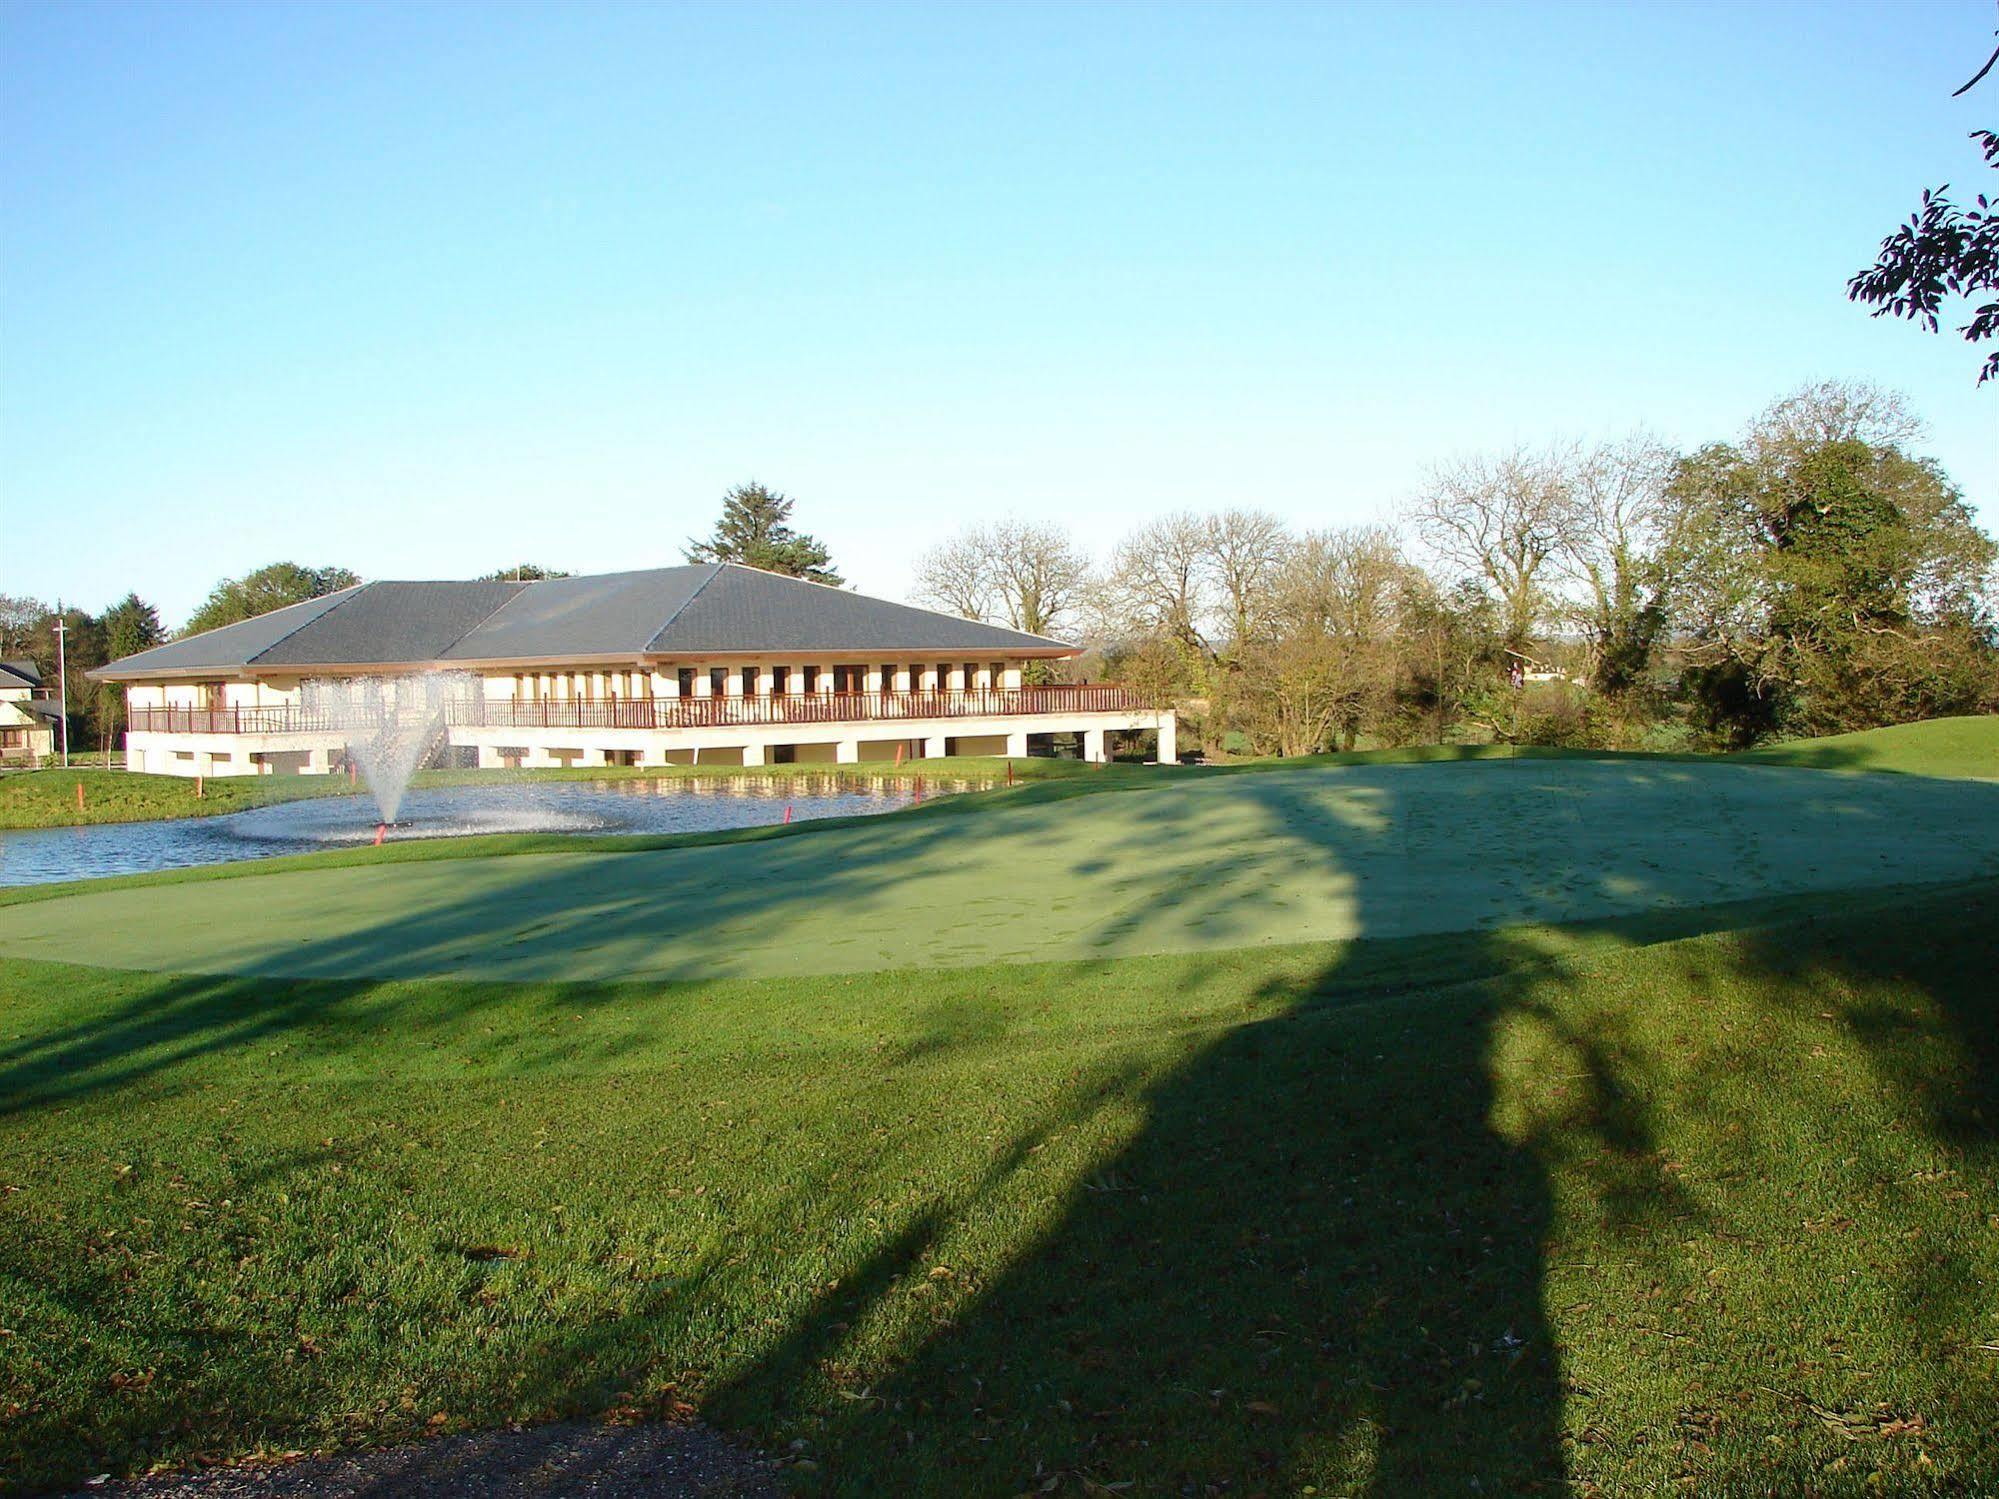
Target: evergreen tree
[[755, 530], [131, 625]]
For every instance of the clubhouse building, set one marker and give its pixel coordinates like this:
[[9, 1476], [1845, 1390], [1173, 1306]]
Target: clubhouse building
[[709, 664]]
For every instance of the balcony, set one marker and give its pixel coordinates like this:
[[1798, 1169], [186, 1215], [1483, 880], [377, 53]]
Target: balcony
[[666, 713]]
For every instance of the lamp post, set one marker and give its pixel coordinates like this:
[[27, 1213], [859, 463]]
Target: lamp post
[[62, 680]]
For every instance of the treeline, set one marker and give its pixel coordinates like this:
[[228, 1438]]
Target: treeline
[[1811, 577]]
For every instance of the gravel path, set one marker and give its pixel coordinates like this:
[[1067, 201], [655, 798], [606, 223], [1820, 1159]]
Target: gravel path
[[607, 1462]]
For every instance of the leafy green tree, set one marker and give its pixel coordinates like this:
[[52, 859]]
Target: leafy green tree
[[268, 588], [1943, 251], [1841, 584], [755, 530], [526, 572], [20, 620]]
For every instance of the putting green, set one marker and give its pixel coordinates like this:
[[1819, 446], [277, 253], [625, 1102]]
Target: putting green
[[1286, 856]]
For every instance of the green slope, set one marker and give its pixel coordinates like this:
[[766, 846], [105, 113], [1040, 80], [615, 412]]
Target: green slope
[[1940, 747], [1473, 1213]]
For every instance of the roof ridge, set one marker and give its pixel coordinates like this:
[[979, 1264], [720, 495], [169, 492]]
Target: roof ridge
[[521, 586], [714, 572], [357, 589]]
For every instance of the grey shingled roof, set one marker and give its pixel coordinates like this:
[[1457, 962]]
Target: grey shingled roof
[[667, 611], [392, 622], [23, 672], [234, 645], [604, 615]]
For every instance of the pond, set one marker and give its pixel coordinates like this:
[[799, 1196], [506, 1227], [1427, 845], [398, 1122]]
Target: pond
[[669, 805]]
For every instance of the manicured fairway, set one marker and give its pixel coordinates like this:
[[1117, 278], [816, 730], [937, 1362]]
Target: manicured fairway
[[1276, 857]]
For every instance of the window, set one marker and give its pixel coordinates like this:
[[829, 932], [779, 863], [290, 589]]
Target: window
[[996, 675], [718, 680], [850, 678], [971, 675], [686, 679], [780, 680], [811, 678], [749, 678], [888, 676]]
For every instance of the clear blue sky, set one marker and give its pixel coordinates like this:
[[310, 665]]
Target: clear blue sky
[[426, 291]]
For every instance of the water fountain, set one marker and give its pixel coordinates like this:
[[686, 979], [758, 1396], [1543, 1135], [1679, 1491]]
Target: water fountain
[[392, 724]]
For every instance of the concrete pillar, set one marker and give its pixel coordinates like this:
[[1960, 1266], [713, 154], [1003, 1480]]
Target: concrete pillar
[[934, 747], [1093, 746], [753, 754], [1169, 739], [847, 752], [703, 686], [316, 762], [1016, 746], [593, 757]]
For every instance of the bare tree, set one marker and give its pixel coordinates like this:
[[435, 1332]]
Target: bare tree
[[1500, 520], [1327, 670], [1621, 548], [956, 577], [1039, 575], [1160, 584], [1012, 572], [1245, 552], [1832, 411]]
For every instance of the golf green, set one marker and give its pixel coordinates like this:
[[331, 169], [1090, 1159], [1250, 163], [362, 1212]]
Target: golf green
[[1289, 856]]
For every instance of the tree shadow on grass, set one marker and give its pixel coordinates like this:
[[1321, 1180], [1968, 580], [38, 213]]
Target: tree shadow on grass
[[1319, 1261], [1322, 1257]]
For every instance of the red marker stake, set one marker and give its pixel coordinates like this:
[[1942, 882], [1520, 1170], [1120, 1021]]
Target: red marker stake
[[79, 796], [787, 811], [381, 832]]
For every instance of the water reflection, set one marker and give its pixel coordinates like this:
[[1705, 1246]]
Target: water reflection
[[636, 805]]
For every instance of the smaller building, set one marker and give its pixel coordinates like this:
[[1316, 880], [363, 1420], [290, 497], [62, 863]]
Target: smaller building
[[28, 714]]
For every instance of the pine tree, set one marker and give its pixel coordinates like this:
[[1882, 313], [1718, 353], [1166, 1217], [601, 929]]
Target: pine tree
[[754, 530]]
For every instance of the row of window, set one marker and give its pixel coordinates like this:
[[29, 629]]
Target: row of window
[[970, 676]]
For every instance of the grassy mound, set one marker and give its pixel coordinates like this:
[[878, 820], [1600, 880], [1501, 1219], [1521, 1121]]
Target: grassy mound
[[1940, 747], [1708, 1197], [1192, 863]]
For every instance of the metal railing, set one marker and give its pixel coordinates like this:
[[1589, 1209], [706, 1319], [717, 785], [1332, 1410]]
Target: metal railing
[[665, 712]]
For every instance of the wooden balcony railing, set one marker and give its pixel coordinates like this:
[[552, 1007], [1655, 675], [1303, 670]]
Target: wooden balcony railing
[[666, 713]]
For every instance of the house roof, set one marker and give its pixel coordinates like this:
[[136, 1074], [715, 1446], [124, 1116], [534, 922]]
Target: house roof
[[707, 609], [20, 672]]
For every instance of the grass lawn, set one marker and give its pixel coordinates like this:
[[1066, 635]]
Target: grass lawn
[[1940, 747], [1676, 1164], [1385, 1217]]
